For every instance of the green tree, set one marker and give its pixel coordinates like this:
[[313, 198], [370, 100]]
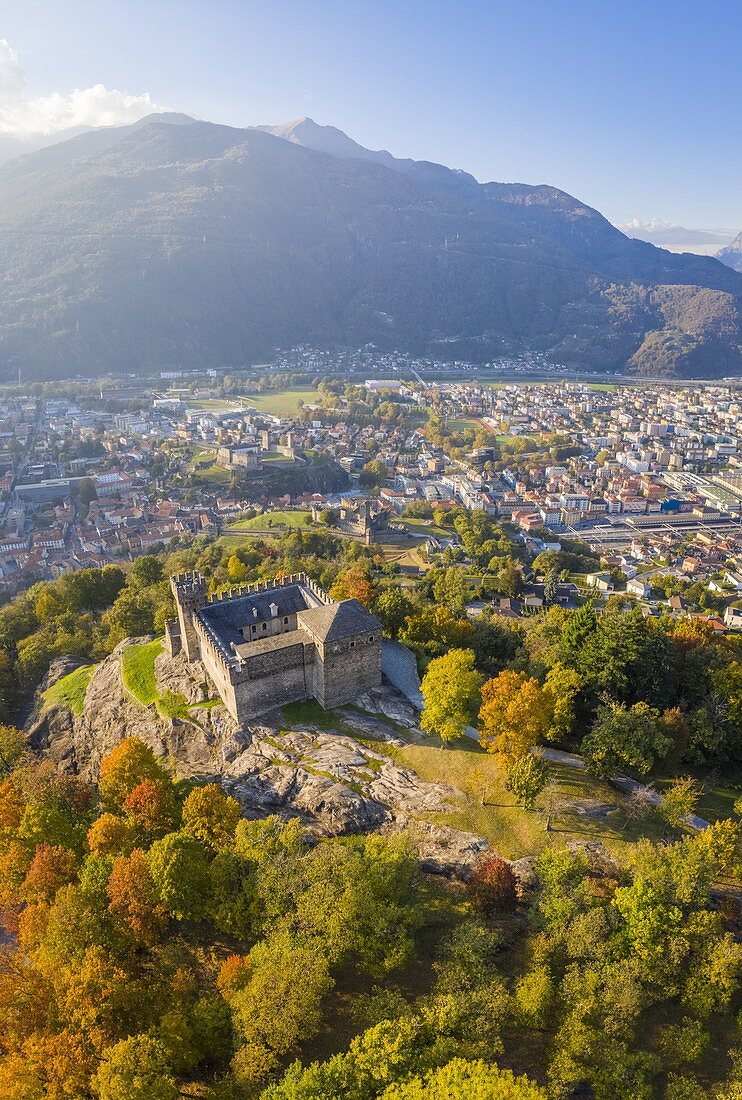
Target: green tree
[[679, 801], [527, 777], [451, 589], [180, 873], [509, 579], [580, 625], [630, 659], [211, 816], [136, 1069], [392, 608], [373, 475], [278, 1002], [449, 689], [146, 570], [551, 587], [624, 737], [462, 1080], [561, 688]]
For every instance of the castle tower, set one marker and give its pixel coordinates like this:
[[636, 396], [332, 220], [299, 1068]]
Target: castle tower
[[189, 590]]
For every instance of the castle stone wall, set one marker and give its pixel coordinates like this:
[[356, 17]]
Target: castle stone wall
[[296, 665], [347, 669]]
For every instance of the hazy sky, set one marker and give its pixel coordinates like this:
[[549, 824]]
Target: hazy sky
[[635, 107]]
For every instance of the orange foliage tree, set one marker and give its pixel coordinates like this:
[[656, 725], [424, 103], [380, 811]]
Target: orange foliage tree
[[515, 714]]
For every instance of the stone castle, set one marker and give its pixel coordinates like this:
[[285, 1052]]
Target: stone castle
[[276, 642]]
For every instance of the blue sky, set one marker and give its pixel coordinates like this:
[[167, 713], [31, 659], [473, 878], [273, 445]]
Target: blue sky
[[633, 107]]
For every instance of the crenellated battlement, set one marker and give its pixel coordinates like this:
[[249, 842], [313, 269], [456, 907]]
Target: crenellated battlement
[[237, 591], [188, 584]]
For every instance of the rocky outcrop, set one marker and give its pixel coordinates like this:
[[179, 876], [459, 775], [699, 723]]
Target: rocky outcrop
[[184, 677], [111, 713], [389, 702], [446, 851], [334, 783]]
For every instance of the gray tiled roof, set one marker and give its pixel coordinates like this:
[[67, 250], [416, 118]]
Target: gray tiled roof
[[339, 620], [225, 619]]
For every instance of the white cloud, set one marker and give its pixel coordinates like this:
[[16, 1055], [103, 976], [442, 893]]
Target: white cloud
[[652, 224], [95, 106]]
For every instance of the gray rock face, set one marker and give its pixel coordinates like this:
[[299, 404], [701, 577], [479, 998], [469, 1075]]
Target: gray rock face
[[186, 678], [391, 704], [446, 851], [111, 713], [333, 783]]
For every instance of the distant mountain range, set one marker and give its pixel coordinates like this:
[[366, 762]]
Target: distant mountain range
[[679, 238], [174, 241], [732, 254]]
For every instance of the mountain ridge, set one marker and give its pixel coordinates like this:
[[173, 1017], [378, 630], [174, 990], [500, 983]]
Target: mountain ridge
[[159, 243], [731, 255]]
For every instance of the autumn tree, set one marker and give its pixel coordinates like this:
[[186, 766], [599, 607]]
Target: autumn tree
[[133, 901], [125, 767], [111, 835], [151, 808], [491, 887], [354, 583], [51, 868], [514, 714], [449, 689], [211, 816]]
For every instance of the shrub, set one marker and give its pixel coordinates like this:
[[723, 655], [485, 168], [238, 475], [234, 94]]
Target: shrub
[[492, 886]]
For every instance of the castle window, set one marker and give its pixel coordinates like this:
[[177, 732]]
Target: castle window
[[285, 620], [264, 626], [352, 645], [370, 637]]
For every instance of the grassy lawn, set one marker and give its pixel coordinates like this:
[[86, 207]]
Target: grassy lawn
[[272, 458], [138, 670], [461, 425], [211, 473], [212, 404], [422, 527], [489, 810], [69, 691], [294, 517], [281, 402], [308, 712]]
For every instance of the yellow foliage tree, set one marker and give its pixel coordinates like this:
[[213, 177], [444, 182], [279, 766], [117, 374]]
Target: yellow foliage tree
[[514, 715], [449, 689]]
